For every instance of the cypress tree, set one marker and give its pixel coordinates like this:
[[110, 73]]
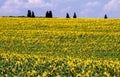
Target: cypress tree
[[47, 14], [33, 15], [105, 17], [74, 16], [67, 15], [29, 13], [50, 14]]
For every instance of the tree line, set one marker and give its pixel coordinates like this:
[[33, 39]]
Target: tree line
[[50, 15]]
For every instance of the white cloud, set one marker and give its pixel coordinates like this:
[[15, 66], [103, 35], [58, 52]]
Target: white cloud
[[10, 7], [62, 1], [65, 10], [93, 4], [17, 7], [112, 5], [85, 11], [14, 6], [38, 4], [84, 8], [90, 8]]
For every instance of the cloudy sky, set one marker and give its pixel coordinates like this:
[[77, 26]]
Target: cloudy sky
[[83, 8]]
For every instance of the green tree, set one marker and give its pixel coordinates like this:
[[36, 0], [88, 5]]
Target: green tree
[[47, 14], [50, 14], [33, 14], [105, 17], [74, 16], [29, 13], [67, 15]]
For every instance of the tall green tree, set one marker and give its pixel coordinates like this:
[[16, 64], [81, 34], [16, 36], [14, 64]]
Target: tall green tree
[[33, 14], [67, 15], [50, 14], [105, 17], [47, 14], [29, 13], [74, 16]]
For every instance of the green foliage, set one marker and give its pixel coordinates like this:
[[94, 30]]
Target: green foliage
[[33, 15], [67, 15], [29, 13], [49, 14], [74, 16], [105, 17]]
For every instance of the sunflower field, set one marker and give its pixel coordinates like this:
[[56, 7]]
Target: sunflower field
[[59, 47]]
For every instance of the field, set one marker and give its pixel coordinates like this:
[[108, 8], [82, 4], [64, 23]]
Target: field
[[57, 47]]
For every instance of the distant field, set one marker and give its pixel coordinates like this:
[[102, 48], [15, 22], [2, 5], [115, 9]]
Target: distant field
[[59, 47]]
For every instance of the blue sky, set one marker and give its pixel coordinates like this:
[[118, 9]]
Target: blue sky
[[83, 8]]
